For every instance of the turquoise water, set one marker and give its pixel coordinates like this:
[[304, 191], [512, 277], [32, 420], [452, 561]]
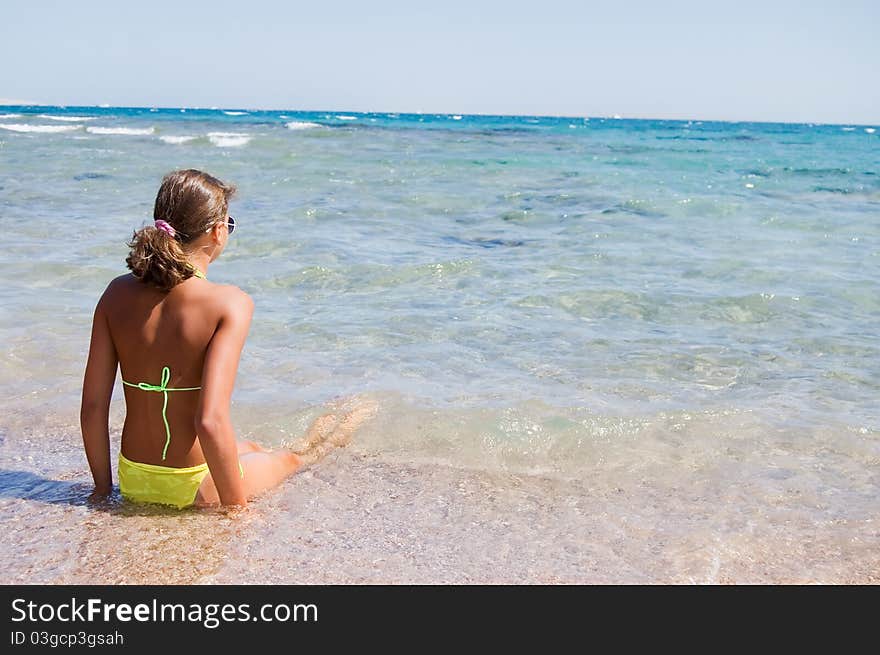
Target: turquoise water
[[645, 302]]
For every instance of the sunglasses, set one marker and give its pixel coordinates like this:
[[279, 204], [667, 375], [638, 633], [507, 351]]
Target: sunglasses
[[230, 223]]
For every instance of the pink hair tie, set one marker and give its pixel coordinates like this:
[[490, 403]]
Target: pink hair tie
[[165, 227]]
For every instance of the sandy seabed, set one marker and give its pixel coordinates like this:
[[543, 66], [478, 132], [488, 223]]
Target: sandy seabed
[[357, 519]]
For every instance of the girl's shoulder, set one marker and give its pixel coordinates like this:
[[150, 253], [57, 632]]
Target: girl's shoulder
[[226, 297], [119, 285], [219, 297], [236, 298]]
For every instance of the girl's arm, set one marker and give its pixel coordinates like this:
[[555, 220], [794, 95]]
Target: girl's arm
[[212, 421], [94, 416]]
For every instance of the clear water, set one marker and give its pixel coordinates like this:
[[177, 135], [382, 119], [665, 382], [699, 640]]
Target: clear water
[[604, 350]]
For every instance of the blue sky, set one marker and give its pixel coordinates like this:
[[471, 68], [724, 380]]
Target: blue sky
[[747, 60]]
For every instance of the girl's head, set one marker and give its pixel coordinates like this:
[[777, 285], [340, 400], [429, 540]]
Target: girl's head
[[190, 214]]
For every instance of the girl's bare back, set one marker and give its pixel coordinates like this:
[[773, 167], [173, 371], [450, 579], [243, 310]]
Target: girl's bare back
[[150, 330]]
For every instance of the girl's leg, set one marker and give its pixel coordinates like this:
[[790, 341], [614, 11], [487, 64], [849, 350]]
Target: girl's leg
[[248, 447], [264, 470]]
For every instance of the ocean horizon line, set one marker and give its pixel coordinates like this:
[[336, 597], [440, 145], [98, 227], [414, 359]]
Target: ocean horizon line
[[33, 105]]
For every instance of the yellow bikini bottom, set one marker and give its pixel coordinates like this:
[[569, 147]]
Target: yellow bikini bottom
[[148, 483]]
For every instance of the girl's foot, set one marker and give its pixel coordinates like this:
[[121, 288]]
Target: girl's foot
[[341, 434]]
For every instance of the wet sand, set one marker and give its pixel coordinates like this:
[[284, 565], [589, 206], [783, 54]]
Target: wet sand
[[357, 519]]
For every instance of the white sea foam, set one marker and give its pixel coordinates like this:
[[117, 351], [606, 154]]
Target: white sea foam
[[176, 140], [870, 130], [228, 139], [456, 117], [18, 127], [8, 116], [69, 119], [235, 113], [347, 118], [128, 131], [848, 129], [301, 125]]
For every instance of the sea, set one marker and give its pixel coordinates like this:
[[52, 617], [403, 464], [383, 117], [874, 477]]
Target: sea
[[604, 350]]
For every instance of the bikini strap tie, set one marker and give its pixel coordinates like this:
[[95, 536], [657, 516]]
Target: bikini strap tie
[[162, 388]]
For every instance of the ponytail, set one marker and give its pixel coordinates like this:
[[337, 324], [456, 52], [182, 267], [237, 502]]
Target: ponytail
[[157, 258]]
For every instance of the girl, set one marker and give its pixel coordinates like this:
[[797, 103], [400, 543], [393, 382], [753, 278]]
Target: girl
[[177, 338]]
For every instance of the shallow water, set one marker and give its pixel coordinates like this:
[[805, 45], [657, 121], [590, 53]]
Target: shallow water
[[603, 350]]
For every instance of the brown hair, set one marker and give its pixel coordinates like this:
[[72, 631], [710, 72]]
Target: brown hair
[[190, 201]]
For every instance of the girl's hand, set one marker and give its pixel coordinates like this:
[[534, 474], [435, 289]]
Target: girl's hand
[[100, 494]]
